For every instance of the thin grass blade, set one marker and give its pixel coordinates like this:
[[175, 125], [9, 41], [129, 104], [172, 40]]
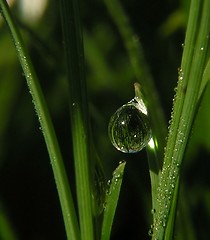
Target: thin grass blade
[[80, 127], [69, 214], [205, 79], [112, 200]]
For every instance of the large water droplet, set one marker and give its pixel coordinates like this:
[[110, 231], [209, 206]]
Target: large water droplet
[[129, 128]]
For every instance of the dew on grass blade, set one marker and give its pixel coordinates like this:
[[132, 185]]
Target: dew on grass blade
[[129, 128]]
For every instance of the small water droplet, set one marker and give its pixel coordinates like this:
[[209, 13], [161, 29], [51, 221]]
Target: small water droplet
[[150, 232], [202, 48], [153, 211], [116, 180], [129, 128], [121, 162], [181, 74]]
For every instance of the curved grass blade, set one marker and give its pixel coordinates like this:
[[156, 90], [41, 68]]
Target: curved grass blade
[[111, 201], [69, 214]]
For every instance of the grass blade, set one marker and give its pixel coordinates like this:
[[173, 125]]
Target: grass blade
[[72, 33], [6, 229], [172, 216], [205, 79], [61, 180], [111, 201], [185, 107]]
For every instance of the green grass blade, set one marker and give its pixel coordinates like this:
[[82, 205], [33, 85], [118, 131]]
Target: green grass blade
[[64, 192], [154, 167], [151, 153], [111, 201], [6, 229], [72, 33], [205, 79], [185, 107], [172, 216]]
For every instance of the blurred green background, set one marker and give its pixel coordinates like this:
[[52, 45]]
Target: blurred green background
[[28, 196]]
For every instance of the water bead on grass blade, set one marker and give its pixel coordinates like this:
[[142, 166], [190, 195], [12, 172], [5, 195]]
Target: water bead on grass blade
[[129, 128]]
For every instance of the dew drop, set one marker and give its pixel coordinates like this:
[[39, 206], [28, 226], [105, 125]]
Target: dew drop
[[122, 162], [129, 128], [150, 232], [153, 211]]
